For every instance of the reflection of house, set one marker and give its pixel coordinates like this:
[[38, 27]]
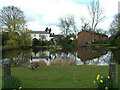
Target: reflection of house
[[40, 54], [87, 37], [88, 54], [41, 35]]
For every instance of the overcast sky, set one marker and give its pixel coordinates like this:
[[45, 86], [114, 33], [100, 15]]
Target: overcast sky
[[45, 13]]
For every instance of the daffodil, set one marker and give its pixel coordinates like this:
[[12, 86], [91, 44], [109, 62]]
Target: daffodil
[[101, 81], [94, 82], [106, 88], [98, 77], [20, 87], [108, 77]]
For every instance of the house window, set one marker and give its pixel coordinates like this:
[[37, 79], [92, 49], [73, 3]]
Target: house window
[[34, 35]]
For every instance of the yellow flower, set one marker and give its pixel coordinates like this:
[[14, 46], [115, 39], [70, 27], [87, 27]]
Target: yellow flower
[[101, 81], [98, 77], [106, 88], [108, 77], [94, 82], [20, 87]]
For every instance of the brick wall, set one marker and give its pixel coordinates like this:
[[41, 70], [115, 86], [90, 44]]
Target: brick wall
[[85, 37]]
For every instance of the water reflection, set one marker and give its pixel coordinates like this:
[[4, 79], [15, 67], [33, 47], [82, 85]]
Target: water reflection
[[18, 57], [82, 56]]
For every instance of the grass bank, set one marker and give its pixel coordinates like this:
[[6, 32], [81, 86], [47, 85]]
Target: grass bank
[[60, 76]]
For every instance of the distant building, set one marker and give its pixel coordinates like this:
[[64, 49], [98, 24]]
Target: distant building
[[87, 37], [39, 34], [57, 37]]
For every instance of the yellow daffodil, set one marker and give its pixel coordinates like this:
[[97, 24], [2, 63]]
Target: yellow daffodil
[[98, 77], [20, 87], [94, 82], [106, 88], [101, 81], [108, 77]]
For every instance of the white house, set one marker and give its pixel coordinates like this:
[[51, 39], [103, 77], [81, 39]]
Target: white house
[[41, 35]]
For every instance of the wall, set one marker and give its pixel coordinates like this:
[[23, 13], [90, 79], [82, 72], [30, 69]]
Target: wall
[[85, 37], [38, 36]]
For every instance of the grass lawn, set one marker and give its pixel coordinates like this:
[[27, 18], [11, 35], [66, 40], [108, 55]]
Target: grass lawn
[[60, 76], [101, 44]]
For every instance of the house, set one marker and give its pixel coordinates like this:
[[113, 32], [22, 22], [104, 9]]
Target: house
[[41, 35], [87, 37], [56, 38]]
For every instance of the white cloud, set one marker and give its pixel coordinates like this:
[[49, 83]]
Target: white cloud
[[45, 13]]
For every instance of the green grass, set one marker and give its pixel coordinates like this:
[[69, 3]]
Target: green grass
[[60, 76], [47, 46], [101, 44], [42, 46]]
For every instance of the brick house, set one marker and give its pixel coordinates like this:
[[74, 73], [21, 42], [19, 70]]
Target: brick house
[[87, 37]]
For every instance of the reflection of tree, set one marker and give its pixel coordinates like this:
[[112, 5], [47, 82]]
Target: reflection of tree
[[23, 57], [18, 56], [36, 50], [10, 53]]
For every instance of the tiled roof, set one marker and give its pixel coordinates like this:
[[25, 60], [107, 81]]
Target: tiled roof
[[93, 32], [40, 32]]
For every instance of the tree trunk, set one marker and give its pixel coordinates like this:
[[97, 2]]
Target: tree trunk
[[7, 74]]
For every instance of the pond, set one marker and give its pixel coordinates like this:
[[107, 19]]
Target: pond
[[82, 56]]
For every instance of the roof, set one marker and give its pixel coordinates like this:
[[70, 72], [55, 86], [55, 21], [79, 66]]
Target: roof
[[57, 36], [40, 32], [93, 32]]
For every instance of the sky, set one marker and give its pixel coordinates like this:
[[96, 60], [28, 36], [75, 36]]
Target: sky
[[46, 13]]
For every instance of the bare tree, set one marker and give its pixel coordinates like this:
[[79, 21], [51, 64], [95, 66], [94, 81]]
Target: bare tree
[[85, 23], [12, 18], [115, 25], [67, 24], [96, 13]]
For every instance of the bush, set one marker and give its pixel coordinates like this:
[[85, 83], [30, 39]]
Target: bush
[[118, 42], [105, 82], [14, 83]]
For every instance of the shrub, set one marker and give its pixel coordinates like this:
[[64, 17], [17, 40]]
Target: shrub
[[105, 82], [14, 83], [118, 42]]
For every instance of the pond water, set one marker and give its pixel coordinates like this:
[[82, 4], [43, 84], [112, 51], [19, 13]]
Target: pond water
[[82, 56]]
